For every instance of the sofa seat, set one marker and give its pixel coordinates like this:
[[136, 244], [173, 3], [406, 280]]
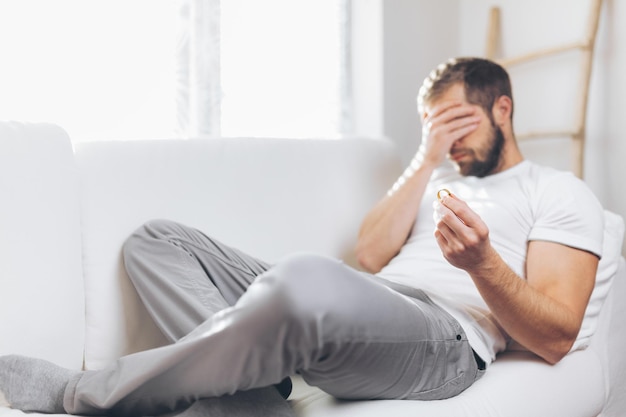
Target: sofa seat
[[518, 384]]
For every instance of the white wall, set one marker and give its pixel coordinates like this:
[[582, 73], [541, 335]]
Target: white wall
[[418, 35], [395, 45], [611, 119], [367, 68]]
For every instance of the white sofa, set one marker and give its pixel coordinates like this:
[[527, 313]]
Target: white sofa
[[65, 212]]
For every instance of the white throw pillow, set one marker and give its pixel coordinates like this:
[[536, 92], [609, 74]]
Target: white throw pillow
[[607, 268]]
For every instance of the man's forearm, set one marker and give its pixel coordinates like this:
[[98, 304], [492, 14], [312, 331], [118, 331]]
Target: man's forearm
[[545, 310], [535, 320], [387, 226]]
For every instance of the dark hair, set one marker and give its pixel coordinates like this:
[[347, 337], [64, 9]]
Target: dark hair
[[484, 82]]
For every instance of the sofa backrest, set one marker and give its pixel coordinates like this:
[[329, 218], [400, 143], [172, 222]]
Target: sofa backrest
[[268, 197], [41, 285]]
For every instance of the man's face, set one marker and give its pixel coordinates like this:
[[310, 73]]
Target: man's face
[[482, 159], [478, 153]]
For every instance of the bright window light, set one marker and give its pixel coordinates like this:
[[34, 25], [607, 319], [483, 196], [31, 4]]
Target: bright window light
[[107, 69], [101, 69], [281, 68]]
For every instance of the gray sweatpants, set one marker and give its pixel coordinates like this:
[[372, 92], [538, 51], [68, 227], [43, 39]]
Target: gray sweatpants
[[238, 323]]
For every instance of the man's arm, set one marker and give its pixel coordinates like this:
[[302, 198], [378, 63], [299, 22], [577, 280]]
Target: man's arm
[[387, 226], [544, 312]]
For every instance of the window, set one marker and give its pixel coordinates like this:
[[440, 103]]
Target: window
[[283, 67], [117, 69], [100, 69]]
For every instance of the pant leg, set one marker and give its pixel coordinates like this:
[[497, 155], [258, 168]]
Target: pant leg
[[410, 348], [345, 332], [183, 277]]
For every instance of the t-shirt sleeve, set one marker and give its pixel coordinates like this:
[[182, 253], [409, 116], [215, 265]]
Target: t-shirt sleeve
[[567, 212]]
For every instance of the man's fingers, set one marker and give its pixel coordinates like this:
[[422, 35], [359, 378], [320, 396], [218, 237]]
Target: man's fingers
[[445, 231], [449, 111], [460, 209], [461, 127], [449, 218], [451, 121], [441, 107]]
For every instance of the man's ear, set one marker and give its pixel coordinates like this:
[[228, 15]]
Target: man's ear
[[502, 108]]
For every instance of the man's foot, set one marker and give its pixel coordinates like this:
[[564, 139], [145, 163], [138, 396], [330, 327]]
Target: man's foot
[[30, 384], [284, 387]]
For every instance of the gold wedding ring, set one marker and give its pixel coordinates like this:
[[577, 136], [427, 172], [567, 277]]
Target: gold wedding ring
[[443, 190]]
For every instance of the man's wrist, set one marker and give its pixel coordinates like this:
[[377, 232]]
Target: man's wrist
[[489, 267]]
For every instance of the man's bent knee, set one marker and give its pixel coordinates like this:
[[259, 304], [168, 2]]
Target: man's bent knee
[[140, 244], [308, 283], [153, 229]]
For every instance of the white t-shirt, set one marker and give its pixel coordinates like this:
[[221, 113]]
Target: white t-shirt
[[524, 203]]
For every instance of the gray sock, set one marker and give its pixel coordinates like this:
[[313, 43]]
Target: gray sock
[[253, 403], [30, 384]]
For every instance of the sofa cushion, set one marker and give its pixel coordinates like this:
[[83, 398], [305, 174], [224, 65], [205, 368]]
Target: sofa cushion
[[268, 197], [41, 286], [607, 270], [517, 384]]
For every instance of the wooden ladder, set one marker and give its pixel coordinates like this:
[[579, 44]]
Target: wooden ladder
[[586, 46]]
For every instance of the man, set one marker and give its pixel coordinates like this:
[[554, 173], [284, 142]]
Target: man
[[513, 256]]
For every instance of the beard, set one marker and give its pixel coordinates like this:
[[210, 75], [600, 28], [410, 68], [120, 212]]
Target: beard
[[486, 159]]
